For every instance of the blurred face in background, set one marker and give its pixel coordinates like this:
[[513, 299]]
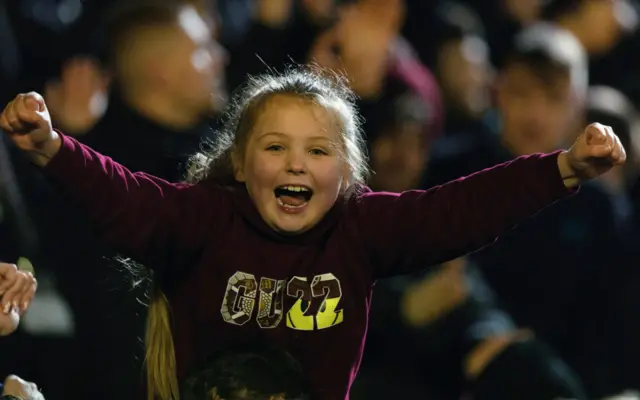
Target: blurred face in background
[[464, 74], [194, 72], [538, 108], [399, 157], [600, 25], [359, 43]]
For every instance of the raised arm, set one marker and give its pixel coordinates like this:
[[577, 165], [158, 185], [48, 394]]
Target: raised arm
[[144, 217], [417, 228]]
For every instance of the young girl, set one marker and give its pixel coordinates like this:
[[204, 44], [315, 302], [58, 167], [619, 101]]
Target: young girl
[[278, 239]]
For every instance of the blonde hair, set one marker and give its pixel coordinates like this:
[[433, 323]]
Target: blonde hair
[[160, 357], [324, 88]]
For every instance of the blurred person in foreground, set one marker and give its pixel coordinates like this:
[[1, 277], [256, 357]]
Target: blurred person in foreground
[[252, 372], [541, 95]]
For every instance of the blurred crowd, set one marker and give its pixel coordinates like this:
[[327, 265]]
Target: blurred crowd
[[445, 88]]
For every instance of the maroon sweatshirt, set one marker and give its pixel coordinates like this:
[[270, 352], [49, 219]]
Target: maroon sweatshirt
[[230, 278]]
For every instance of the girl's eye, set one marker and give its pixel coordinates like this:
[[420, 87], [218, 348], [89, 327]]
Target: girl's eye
[[318, 152], [275, 148]]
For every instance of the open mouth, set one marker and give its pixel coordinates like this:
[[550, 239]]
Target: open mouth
[[292, 197]]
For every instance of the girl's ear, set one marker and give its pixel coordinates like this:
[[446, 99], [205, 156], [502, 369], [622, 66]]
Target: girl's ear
[[237, 164]]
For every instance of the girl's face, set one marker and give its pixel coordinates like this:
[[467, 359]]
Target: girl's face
[[292, 166]]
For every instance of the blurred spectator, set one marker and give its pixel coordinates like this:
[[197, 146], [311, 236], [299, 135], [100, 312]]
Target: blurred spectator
[[248, 373], [279, 32], [610, 107], [459, 54], [609, 46], [401, 129], [158, 114], [615, 321], [581, 17], [503, 19], [10, 60], [436, 353], [361, 42], [79, 98], [541, 92]]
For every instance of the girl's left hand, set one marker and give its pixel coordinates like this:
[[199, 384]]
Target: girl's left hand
[[17, 288], [595, 152]]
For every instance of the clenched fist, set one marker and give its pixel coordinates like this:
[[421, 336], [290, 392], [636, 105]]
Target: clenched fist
[[594, 152], [27, 122]]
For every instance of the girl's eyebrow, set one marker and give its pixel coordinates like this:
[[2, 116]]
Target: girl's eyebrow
[[283, 135]]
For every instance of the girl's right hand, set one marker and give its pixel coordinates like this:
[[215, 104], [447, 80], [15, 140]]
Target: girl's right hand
[[27, 122]]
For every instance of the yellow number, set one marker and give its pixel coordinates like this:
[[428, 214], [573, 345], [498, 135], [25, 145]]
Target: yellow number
[[296, 318], [327, 285]]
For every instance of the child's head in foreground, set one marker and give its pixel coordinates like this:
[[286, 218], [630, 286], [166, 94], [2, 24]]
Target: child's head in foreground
[[294, 140], [253, 373]]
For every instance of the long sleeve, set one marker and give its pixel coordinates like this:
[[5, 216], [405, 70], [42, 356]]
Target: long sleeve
[[415, 229], [146, 218]]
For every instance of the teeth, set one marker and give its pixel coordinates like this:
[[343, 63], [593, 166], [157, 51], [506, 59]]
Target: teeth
[[295, 188], [280, 203]]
